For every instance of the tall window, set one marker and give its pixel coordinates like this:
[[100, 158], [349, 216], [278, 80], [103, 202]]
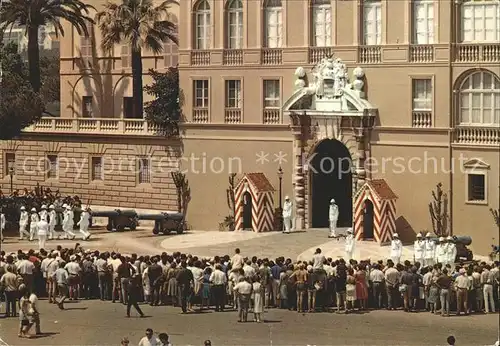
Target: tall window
[[481, 21], [86, 43], [87, 106], [273, 21], [10, 163], [233, 93], [125, 56], [476, 187], [272, 93], [201, 93], [422, 95], [97, 171], [322, 23], [480, 100], [423, 22], [128, 107], [203, 25], [372, 22], [52, 166], [144, 170], [235, 25]]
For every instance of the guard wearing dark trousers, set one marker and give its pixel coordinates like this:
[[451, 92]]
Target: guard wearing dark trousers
[[133, 295]]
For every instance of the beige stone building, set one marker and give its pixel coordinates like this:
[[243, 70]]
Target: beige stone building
[[411, 95]]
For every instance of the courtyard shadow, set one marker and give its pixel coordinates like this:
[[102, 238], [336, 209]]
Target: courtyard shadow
[[75, 308], [405, 230], [43, 335]]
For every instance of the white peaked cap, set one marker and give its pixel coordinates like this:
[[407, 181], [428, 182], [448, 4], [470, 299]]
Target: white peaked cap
[[419, 235], [33, 210], [395, 235], [441, 238], [64, 205], [332, 201], [44, 206], [51, 206], [286, 197], [349, 230], [428, 234], [68, 207], [450, 237], [23, 208]]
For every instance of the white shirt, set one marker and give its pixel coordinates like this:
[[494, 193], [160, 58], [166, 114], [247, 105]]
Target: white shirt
[[243, 287], [52, 217], [115, 263], [23, 220], [2, 221], [149, 342], [73, 268], [248, 270], [218, 277], [287, 209], [237, 261], [42, 227], [197, 273], [419, 248], [34, 301], [396, 248], [34, 219], [318, 260], [430, 247], [349, 243], [333, 213], [25, 267]]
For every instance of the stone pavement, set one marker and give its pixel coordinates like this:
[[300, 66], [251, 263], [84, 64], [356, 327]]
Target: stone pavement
[[98, 323]]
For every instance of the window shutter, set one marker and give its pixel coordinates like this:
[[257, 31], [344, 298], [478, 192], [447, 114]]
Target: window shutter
[[319, 21], [328, 26]]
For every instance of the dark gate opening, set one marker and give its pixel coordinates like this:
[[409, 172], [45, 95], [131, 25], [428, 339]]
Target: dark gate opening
[[331, 177], [368, 220], [247, 210]]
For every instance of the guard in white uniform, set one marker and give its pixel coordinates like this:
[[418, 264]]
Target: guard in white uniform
[[441, 255], [44, 214], [23, 223], [396, 248], [2, 224], [42, 228], [52, 222], [68, 223], [451, 251], [419, 249], [287, 215], [84, 224], [430, 250], [33, 223], [333, 216], [350, 243]]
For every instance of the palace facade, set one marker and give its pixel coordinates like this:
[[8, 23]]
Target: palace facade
[[336, 93]]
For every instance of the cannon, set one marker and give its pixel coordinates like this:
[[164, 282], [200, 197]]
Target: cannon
[[463, 253], [166, 222], [118, 219]]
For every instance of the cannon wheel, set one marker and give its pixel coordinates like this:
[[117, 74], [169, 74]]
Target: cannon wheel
[[166, 231], [155, 231], [181, 228], [120, 228], [133, 226]]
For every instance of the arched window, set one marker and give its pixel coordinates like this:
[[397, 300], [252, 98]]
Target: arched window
[[480, 100], [235, 24], [480, 21], [203, 25], [322, 23], [273, 21]]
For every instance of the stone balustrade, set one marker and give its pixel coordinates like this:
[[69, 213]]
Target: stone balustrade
[[232, 116], [370, 54], [200, 115], [95, 126], [318, 53], [271, 116], [422, 119], [233, 57], [477, 52], [272, 56], [478, 135], [421, 53], [200, 57]]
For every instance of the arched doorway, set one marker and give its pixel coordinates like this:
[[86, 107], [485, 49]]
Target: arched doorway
[[247, 210], [368, 220], [331, 177]]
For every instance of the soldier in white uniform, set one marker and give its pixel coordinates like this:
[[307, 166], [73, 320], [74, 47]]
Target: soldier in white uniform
[[396, 248], [287, 215], [33, 223], [419, 249], [333, 216], [430, 249], [52, 222], [23, 223], [84, 224], [68, 223], [42, 229], [451, 251], [44, 214], [2, 224], [441, 255], [350, 243]]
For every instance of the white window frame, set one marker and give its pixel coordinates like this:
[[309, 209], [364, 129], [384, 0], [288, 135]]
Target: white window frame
[[52, 166], [202, 86], [372, 38], [97, 174], [273, 32], [86, 43], [423, 85], [422, 19], [87, 112], [468, 197], [125, 55], [144, 174], [233, 93], [170, 54], [322, 9], [203, 25], [271, 101], [10, 161], [470, 23], [468, 95], [235, 25]]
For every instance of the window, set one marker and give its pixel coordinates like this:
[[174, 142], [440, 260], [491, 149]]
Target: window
[[144, 170], [203, 25], [476, 186], [235, 25], [481, 21], [87, 109], [201, 93], [423, 22], [272, 93], [125, 55], [233, 94], [10, 163], [170, 54], [52, 166], [86, 43], [322, 23], [128, 107], [479, 98], [372, 22], [422, 95], [273, 21], [97, 171]]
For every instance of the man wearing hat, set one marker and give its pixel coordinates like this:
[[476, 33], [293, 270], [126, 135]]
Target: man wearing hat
[[42, 230], [429, 251], [52, 221], [419, 249], [68, 223], [333, 216], [23, 223], [396, 248], [84, 224], [44, 214], [441, 255], [349, 244], [33, 223], [451, 251], [287, 215]]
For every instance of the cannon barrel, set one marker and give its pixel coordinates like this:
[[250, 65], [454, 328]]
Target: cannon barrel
[[462, 239]]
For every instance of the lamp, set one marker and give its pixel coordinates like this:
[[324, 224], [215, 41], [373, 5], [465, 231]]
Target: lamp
[[280, 210], [11, 174]]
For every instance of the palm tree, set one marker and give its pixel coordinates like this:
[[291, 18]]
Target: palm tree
[[32, 14], [141, 25]]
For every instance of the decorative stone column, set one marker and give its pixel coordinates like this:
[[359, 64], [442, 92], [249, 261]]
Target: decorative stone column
[[359, 134], [300, 129]]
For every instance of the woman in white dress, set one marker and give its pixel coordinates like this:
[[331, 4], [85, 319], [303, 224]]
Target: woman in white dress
[[350, 288], [258, 301], [146, 285]]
